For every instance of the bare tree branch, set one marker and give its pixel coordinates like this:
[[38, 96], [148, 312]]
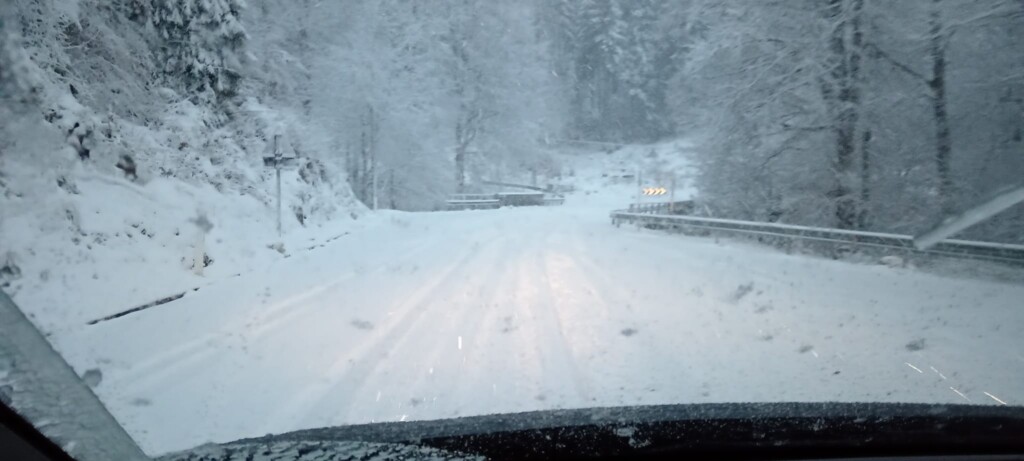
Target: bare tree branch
[[879, 53]]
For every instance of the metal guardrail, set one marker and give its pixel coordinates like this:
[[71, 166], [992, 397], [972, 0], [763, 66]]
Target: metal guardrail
[[654, 215], [517, 186], [500, 199], [665, 208]]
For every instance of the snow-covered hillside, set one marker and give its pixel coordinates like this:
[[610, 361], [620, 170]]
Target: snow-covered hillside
[[114, 245], [104, 170]]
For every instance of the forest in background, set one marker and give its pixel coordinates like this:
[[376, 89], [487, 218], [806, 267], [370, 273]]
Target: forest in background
[[870, 114]]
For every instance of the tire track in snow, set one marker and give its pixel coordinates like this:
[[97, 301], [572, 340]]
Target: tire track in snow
[[342, 377], [652, 352], [488, 361], [447, 366], [198, 350], [558, 357], [672, 318]]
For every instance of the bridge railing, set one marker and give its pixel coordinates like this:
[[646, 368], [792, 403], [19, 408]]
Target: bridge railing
[[500, 199], [655, 216], [473, 202]]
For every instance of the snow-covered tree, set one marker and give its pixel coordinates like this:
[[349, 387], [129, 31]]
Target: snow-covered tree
[[850, 113], [619, 71], [428, 94], [202, 43]]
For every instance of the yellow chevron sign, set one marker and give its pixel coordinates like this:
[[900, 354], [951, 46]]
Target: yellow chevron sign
[[655, 191]]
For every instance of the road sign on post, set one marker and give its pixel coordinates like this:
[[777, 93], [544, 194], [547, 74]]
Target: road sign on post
[[277, 162]]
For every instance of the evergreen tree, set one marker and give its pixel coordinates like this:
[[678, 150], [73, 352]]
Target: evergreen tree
[[202, 43], [619, 76]]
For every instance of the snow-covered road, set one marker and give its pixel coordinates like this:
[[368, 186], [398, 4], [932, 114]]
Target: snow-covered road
[[436, 315]]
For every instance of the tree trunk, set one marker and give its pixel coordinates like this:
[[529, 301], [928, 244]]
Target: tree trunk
[[865, 180], [466, 130], [350, 167], [392, 195], [369, 176], [361, 168], [943, 146], [360, 165], [460, 158], [845, 75], [856, 87]]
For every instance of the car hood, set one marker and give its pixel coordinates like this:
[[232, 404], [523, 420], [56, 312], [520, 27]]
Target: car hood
[[762, 430]]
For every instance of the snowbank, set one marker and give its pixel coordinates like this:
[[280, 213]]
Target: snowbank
[[115, 244]]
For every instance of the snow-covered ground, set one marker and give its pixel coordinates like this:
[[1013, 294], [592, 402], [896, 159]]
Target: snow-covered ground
[[435, 315], [114, 244]]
